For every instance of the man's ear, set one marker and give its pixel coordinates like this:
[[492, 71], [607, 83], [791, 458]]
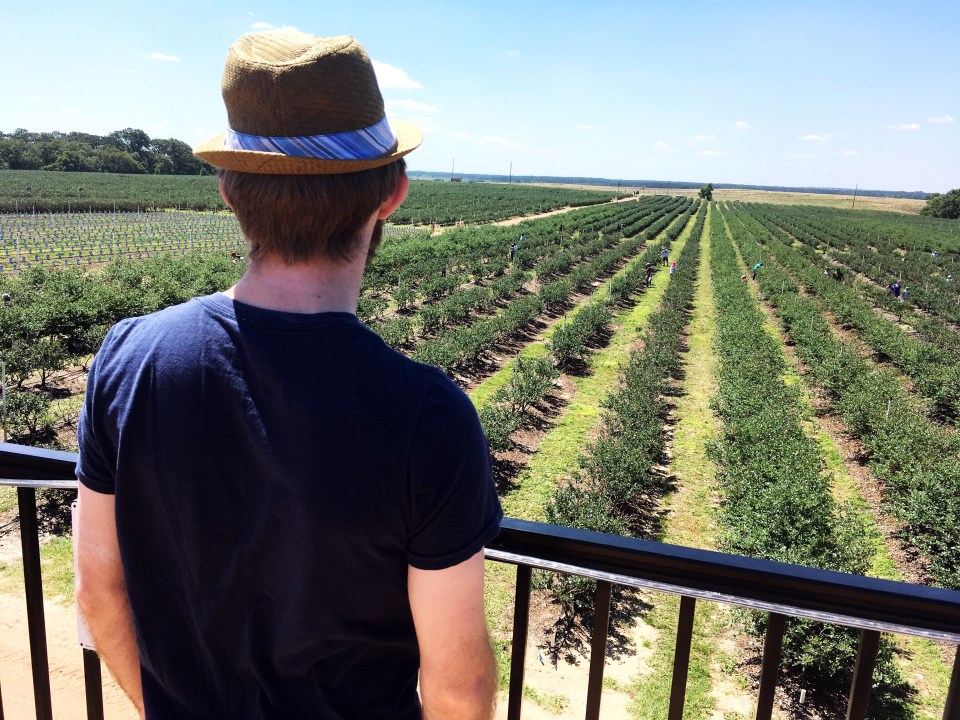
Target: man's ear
[[220, 185], [395, 198]]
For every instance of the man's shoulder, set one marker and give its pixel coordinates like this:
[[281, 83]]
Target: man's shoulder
[[165, 331]]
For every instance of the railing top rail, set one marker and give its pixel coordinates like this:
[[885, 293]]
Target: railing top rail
[[29, 463], [796, 590], [820, 594]]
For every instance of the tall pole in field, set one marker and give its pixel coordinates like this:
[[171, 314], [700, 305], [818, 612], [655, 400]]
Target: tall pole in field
[[511, 173], [856, 187]]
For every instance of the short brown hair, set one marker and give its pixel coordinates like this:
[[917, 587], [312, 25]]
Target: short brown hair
[[297, 218]]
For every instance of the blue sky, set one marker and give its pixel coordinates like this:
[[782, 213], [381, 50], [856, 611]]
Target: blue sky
[[821, 94]]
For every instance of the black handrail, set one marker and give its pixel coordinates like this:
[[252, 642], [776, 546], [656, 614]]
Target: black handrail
[[794, 590]]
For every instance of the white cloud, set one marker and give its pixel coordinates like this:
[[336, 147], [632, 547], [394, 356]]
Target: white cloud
[[567, 147], [163, 58], [457, 135], [261, 25], [811, 137], [741, 125], [661, 145], [799, 156], [391, 77], [427, 123], [905, 126], [702, 138], [711, 153], [586, 127], [940, 119], [411, 106], [849, 153], [512, 53]]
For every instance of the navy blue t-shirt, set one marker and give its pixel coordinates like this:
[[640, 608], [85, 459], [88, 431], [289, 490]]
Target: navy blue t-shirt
[[275, 473]]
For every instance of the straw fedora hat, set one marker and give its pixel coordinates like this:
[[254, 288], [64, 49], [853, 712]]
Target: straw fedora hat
[[303, 105]]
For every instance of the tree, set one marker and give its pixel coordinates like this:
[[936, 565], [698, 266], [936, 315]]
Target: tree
[[706, 192], [111, 160], [174, 157], [943, 206]]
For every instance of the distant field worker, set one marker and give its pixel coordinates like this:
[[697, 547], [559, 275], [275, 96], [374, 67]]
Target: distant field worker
[[895, 289], [663, 255], [905, 295], [673, 267], [755, 268], [648, 274], [281, 517]]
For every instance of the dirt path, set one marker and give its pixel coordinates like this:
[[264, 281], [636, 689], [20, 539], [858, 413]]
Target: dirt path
[[66, 666], [509, 222]]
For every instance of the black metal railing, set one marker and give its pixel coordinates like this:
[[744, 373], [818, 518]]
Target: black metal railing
[[781, 590]]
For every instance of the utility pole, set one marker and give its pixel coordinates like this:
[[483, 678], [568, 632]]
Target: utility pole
[[856, 187], [510, 181]]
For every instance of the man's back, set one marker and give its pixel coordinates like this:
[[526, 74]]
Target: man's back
[[277, 472]]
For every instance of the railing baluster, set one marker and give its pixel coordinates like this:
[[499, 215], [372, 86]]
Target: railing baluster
[[518, 653], [681, 657], [598, 647], [770, 668], [951, 710], [863, 674], [33, 587], [93, 685]]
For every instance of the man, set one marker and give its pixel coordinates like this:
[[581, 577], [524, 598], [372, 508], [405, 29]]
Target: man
[[281, 517]]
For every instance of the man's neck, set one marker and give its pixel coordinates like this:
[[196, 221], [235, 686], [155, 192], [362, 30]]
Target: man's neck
[[314, 287]]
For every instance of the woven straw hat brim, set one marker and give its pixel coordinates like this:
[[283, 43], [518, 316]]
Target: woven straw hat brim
[[409, 137]]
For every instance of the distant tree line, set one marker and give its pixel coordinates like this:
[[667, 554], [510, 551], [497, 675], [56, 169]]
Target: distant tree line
[[129, 151], [943, 206], [666, 184]]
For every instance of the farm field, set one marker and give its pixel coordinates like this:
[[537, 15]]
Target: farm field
[[905, 206], [804, 414], [40, 191]]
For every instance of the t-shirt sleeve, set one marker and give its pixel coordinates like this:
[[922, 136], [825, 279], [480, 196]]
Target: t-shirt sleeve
[[455, 508], [95, 469]]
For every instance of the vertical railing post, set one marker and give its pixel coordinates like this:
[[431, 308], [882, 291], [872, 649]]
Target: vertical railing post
[[33, 587], [598, 647], [518, 652], [93, 684], [863, 674], [951, 711], [770, 667], [681, 657]]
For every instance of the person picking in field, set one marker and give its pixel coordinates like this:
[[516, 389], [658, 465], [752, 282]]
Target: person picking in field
[[279, 515]]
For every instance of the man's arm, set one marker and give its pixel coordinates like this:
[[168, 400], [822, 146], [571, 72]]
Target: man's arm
[[458, 677], [102, 593]]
